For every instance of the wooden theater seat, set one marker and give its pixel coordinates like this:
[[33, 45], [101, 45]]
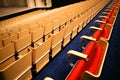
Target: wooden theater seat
[[6, 52], [23, 32], [80, 26], [33, 26], [56, 25], [4, 35], [22, 42], [48, 29], [1, 44], [22, 26], [67, 34], [41, 53], [9, 39], [107, 32], [90, 63], [17, 69], [74, 28], [37, 35], [57, 42]]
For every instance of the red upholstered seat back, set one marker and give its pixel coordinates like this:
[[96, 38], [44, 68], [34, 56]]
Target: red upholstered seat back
[[97, 34], [78, 70], [110, 14], [101, 33], [112, 9], [105, 33], [106, 20], [102, 26], [94, 53], [94, 60], [81, 65], [89, 48], [110, 21]]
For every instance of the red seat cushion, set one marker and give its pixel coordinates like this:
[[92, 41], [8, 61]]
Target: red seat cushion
[[110, 14], [106, 20], [89, 48], [80, 67], [91, 65], [95, 59], [110, 21], [102, 26], [105, 33], [77, 71], [97, 34]]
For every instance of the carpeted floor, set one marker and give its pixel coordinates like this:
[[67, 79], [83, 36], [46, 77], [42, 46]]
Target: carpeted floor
[[58, 68]]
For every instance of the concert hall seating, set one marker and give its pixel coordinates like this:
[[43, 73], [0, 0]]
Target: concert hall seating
[[108, 16], [37, 35], [29, 41], [56, 44], [41, 51], [90, 61], [104, 31], [110, 13], [67, 35], [106, 24], [18, 67], [8, 51]]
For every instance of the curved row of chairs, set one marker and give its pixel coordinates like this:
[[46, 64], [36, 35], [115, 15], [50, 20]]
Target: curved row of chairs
[[91, 60], [28, 43]]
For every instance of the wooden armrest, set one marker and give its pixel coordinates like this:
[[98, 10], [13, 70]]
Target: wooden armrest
[[103, 17], [105, 13], [48, 78], [76, 54], [95, 28], [99, 21], [88, 38], [109, 6], [107, 10], [85, 38]]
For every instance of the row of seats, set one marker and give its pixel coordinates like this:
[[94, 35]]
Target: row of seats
[[26, 46], [53, 16], [18, 19], [13, 32], [91, 60]]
